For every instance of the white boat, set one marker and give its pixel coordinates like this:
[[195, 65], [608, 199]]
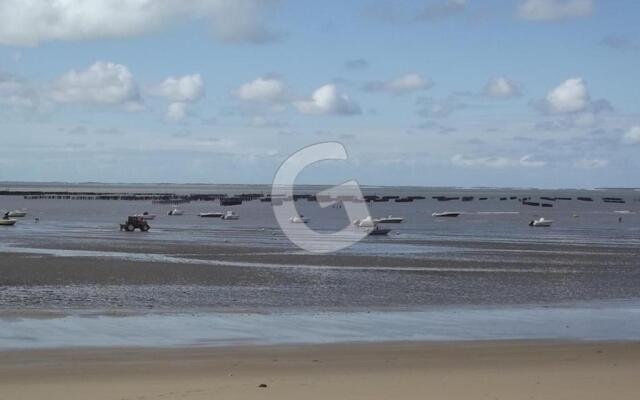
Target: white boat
[[230, 216], [17, 213], [175, 211], [146, 216], [211, 215], [449, 214], [7, 222], [541, 222], [389, 220], [366, 222], [299, 220]]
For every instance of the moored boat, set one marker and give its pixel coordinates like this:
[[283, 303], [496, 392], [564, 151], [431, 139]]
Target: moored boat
[[541, 222], [389, 220], [146, 216], [299, 219], [230, 216], [175, 211], [211, 214], [17, 213], [449, 214], [377, 231]]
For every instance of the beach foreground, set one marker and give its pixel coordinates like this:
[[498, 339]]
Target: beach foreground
[[491, 370]]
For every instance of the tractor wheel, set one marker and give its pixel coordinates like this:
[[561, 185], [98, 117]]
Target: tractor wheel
[[130, 228], [145, 227]]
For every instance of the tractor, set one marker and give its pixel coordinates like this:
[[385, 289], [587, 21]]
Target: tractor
[[135, 222]]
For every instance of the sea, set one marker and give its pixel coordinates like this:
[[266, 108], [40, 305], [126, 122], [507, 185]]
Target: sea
[[484, 275]]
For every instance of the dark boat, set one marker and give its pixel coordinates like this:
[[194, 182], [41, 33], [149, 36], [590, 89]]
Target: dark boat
[[210, 215], [445, 214], [230, 201], [379, 231]]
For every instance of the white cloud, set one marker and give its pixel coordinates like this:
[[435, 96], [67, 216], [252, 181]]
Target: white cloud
[[549, 10], [569, 97], [27, 23], [180, 91], [176, 111], [188, 88], [632, 136], [327, 100], [496, 162], [261, 90], [501, 87], [406, 83], [590, 163], [103, 83]]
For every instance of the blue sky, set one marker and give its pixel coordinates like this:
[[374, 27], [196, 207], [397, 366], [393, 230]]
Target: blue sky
[[431, 92]]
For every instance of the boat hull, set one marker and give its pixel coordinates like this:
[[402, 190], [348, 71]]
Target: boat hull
[[210, 215], [445, 214]]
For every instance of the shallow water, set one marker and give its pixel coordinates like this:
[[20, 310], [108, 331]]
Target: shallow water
[[471, 277], [586, 321]]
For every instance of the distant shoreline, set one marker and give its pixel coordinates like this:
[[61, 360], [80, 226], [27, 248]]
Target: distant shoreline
[[304, 185]]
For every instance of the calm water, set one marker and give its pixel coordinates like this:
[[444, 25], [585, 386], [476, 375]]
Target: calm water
[[487, 257], [492, 219]]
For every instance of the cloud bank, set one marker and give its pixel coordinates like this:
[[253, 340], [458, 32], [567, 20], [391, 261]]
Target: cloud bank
[[29, 23]]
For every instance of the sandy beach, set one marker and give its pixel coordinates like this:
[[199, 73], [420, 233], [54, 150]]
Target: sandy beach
[[480, 370]]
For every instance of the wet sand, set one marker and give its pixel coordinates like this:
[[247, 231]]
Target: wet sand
[[124, 275], [491, 370]]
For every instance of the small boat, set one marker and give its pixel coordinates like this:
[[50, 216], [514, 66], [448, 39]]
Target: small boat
[[450, 214], [211, 215], [7, 222], [17, 213], [541, 222], [377, 231], [146, 216], [230, 216], [299, 220], [389, 220], [175, 211]]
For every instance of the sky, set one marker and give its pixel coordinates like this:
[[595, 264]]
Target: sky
[[501, 93]]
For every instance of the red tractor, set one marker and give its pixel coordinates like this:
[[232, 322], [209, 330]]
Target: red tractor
[[135, 222]]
